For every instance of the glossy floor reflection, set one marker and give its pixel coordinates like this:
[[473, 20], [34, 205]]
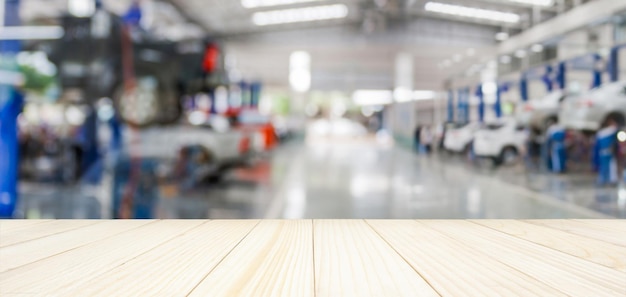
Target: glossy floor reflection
[[357, 180]]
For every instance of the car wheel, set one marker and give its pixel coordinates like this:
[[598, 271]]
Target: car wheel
[[508, 156]]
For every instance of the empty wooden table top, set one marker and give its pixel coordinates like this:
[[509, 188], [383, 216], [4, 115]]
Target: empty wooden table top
[[313, 258]]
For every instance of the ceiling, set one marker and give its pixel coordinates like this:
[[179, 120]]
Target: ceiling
[[356, 52], [190, 18], [227, 17]]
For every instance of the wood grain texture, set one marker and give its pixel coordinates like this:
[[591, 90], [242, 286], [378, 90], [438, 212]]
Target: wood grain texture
[[454, 268], [35, 231], [593, 250], [66, 271], [20, 254], [173, 268], [352, 260], [312, 258], [591, 230], [571, 275], [275, 259], [617, 225], [6, 225]]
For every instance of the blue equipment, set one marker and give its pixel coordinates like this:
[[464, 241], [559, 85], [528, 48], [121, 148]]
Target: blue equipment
[[605, 148], [556, 149]]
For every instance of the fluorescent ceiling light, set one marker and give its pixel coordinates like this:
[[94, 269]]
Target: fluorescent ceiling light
[[295, 15], [81, 8], [505, 59], [470, 12], [267, 3], [502, 36], [545, 3], [372, 97], [31, 33], [520, 53]]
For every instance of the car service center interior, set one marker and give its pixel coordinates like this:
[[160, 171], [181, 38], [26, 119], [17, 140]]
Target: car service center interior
[[302, 111]]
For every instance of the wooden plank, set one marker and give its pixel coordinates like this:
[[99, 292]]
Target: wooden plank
[[571, 275], [600, 252], [175, 267], [275, 259], [35, 231], [61, 273], [31, 251], [596, 251], [584, 229], [454, 268], [617, 225], [352, 260], [6, 225]]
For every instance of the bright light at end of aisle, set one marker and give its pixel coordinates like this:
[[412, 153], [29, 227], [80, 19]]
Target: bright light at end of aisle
[[268, 3], [300, 71], [372, 97], [296, 15], [470, 12]]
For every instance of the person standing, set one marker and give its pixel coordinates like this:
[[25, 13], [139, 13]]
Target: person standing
[[426, 139], [416, 138]]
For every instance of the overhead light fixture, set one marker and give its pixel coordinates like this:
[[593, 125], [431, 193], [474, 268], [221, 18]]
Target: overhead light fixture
[[471, 12], [520, 53], [296, 15], [537, 48], [545, 3], [502, 36], [268, 3], [372, 97], [505, 59], [31, 32], [81, 8]]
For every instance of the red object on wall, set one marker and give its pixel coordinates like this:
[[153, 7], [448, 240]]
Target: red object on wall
[[211, 57]]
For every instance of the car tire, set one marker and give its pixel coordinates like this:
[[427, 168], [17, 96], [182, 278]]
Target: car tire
[[508, 156]]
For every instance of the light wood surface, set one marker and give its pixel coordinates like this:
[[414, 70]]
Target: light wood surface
[[313, 258]]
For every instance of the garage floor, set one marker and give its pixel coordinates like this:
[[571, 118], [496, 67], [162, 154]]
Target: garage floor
[[356, 180]]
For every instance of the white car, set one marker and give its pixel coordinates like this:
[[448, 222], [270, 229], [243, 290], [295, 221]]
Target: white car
[[460, 139], [592, 109], [503, 141], [226, 148], [536, 113]]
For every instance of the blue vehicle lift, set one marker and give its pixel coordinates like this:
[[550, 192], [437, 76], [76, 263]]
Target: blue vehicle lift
[[10, 106]]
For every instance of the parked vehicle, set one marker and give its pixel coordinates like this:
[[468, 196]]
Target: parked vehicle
[[591, 110], [503, 141], [224, 149], [459, 139], [441, 132], [537, 114]]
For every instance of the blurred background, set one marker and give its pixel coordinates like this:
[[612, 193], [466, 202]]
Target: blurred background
[[408, 109]]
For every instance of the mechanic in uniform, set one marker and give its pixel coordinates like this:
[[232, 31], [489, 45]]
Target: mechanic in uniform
[[606, 149], [555, 139]]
